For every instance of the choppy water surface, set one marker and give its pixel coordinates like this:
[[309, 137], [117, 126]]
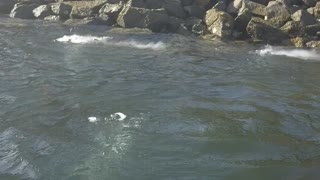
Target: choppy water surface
[[192, 109]]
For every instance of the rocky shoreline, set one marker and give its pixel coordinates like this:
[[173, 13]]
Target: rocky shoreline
[[279, 22]]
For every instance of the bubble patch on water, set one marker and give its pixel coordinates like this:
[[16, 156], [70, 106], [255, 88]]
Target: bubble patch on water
[[295, 53], [107, 40]]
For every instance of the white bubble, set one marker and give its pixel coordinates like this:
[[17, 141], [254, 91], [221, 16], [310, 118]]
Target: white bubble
[[93, 119], [118, 116]]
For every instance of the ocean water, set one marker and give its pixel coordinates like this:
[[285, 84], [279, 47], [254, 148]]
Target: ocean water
[[93, 103]]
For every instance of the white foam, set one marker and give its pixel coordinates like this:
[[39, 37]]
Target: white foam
[[88, 39], [296, 53], [118, 116], [77, 39], [93, 119]]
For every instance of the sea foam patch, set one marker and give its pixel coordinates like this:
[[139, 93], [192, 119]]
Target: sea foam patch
[[295, 53], [88, 39]]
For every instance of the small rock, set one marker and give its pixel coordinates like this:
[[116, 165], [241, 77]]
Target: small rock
[[313, 44]]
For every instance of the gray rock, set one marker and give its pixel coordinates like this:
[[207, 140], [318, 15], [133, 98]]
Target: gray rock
[[186, 2], [111, 10], [294, 28], [277, 13], [219, 23], [313, 44], [42, 11], [61, 9], [304, 17], [312, 29], [23, 11], [316, 10], [195, 11], [174, 8], [221, 5], [6, 6], [235, 6], [255, 8], [262, 30], [83, 9], [310, 3], [52, 18], [195, 25]]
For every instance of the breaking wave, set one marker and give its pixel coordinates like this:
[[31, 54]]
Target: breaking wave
[[88, 39], [295, 53]]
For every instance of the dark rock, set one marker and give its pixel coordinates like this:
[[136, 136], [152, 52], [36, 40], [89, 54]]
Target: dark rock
[[277, 13], [294, 28], [83, 9], [316, 10], [221, 5], [242, 20], [186, 2], [264, 2], [219, 23], [253, 7], [174, 8], [23, 11], [42, 11], [262, 30], [312, 29], [195, 11], [304, 17], [195, 25], [235, 6], [61, 9], [310, 3], [6, 6]]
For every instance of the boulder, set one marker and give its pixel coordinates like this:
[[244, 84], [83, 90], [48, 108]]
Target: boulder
[[111, 10], [310, 3], [316, 10], [174, 8], [52, 18], [277, 13], [312, 30], [262, 30], [6, 6], [219, 23], [187, 2], [298, 42], [83, 9], [154, 19], [23, 11], [313, 44], [221, 5], [254, 8], [42, 11], [234, 6], [242, 20], [195, 11], [304, 17], [294, 28], [61, 9]]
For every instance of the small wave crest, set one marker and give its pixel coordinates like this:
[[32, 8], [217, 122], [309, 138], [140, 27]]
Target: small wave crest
[[88, 39], [295, 53]]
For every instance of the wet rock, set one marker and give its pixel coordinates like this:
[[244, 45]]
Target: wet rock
[[234, 6], [42, 11], [294, 28], [242, 20], [277, 13], [262, 30], [23, 11], [61, 9], [52, 18], [312, 29], [195, 25], [313, 44], [304, 17], [310, 3], [111, 10], [83, 9], [174, 8], [316, 10], [298, 42], [221, 5], [154, 19], [219, 23], [6, 6], [195, 11]]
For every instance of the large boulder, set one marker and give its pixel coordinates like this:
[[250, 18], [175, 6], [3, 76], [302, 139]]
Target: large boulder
[[277, 13], [310, 3], [83, 9], [316, 10], [154, 19], [219, 23], [313, 44], [303, 16], [255, 8], [262, 30], [42, 11], [23, 11], [61, 9], [294, 28], [195, 11], [242, 20], [111, 10]]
